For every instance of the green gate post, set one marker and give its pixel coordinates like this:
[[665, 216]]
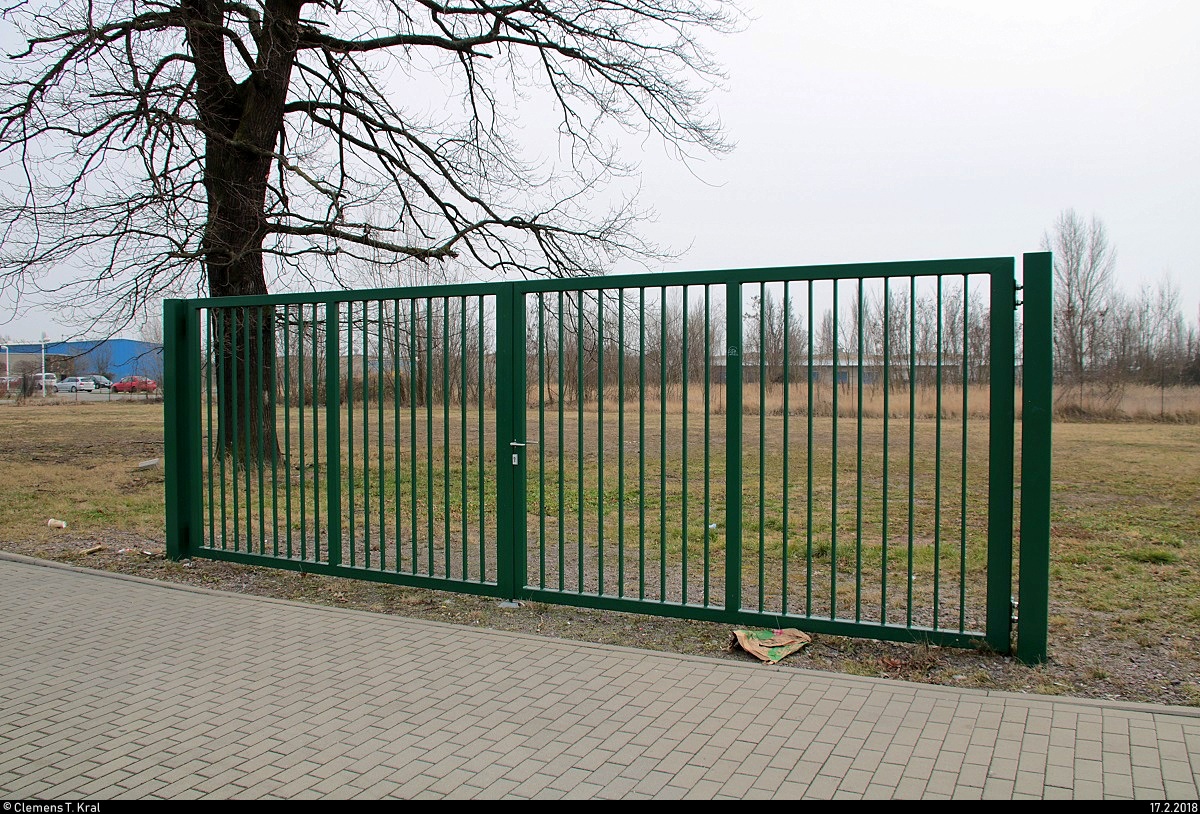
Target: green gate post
[[1037, 404], [333, 433], [182, 452], [510, 427], [733, 447], [1000, 461]]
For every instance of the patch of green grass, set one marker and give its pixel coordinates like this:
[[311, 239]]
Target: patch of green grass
[[1155, 556]]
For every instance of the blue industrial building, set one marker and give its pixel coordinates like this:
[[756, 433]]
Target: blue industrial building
[[114, 358]]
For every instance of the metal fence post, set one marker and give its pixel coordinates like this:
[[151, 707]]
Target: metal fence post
[[1000, 460], [733, 447], [333, 433], [1037, 403], [182, 447], [510, 427]]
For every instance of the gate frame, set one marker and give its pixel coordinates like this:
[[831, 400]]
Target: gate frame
[[184, 458]]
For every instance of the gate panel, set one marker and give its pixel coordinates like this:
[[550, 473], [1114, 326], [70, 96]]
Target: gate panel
[[368, 440], [865, 449], [812, 445], [625, 464]]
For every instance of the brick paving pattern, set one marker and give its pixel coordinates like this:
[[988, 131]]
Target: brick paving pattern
[[114, 687]]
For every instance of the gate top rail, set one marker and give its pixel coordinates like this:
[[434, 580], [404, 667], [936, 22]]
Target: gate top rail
[[769, 274]]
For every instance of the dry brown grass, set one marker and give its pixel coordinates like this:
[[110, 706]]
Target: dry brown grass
[[1129, 403]]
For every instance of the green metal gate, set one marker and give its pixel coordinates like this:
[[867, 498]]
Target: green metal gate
[[825, 447]]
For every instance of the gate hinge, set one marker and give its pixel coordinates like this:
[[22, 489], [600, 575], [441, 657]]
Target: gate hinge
[[1017, 301], [1013, 602]]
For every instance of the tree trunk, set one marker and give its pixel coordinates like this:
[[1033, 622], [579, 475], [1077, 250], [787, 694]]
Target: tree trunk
[[246, 386], [241, 124], [246, 335]]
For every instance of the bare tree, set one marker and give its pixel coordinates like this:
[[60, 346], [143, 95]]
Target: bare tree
[[215, 144], [1083, 281]]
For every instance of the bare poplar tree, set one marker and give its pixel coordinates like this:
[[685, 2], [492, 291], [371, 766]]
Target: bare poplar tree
[[1083, 286]]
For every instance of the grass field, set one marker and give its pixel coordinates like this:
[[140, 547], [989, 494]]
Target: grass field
[[1125, 609]]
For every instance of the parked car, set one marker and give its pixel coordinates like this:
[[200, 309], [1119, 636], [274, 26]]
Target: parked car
[[50, 380], [72, 384], [135, 384], [101, 382]]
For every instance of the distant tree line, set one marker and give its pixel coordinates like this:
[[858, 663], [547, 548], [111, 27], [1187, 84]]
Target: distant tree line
[[1105, 338]]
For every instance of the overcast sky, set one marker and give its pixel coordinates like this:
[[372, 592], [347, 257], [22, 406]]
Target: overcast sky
[[896, 131], [893, 131]]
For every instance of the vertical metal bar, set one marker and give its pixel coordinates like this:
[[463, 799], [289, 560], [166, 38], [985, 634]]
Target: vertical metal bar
[[517, 397], [1037, 401], [482, 392], [937, 470], [887, 420], [181, 332], [707, 437], [962, 549], [287, 424], [300, 420], [413, 366], [316, 442], [581, 501], [224, 441], [787, 417], [333, 432], [561, 511], [462, 405], [808, 460], [258, 401], [1002, 305], [641, 443], [542, 383], [858, 467], [351, 538], [662, 446], [733, 445], [510, 426], [249, 431], [684, 453], [232, 409], [208, 403], [366, 421], [600, 442], [446, 433], [912, 435], [399, 533], [762, 433], [379, 436], [316, 432], [429, 506], [833, 521], [621, 442], [272, 401]]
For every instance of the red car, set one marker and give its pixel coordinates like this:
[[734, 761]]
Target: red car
[[135, 384]]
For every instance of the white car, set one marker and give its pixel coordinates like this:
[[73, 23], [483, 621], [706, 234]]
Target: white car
[[49, 380], [72, 384]]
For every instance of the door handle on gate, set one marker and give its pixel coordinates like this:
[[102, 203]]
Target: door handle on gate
[[516, 456]]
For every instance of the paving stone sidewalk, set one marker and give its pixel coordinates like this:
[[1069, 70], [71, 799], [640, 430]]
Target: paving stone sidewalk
[[116, 687]]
